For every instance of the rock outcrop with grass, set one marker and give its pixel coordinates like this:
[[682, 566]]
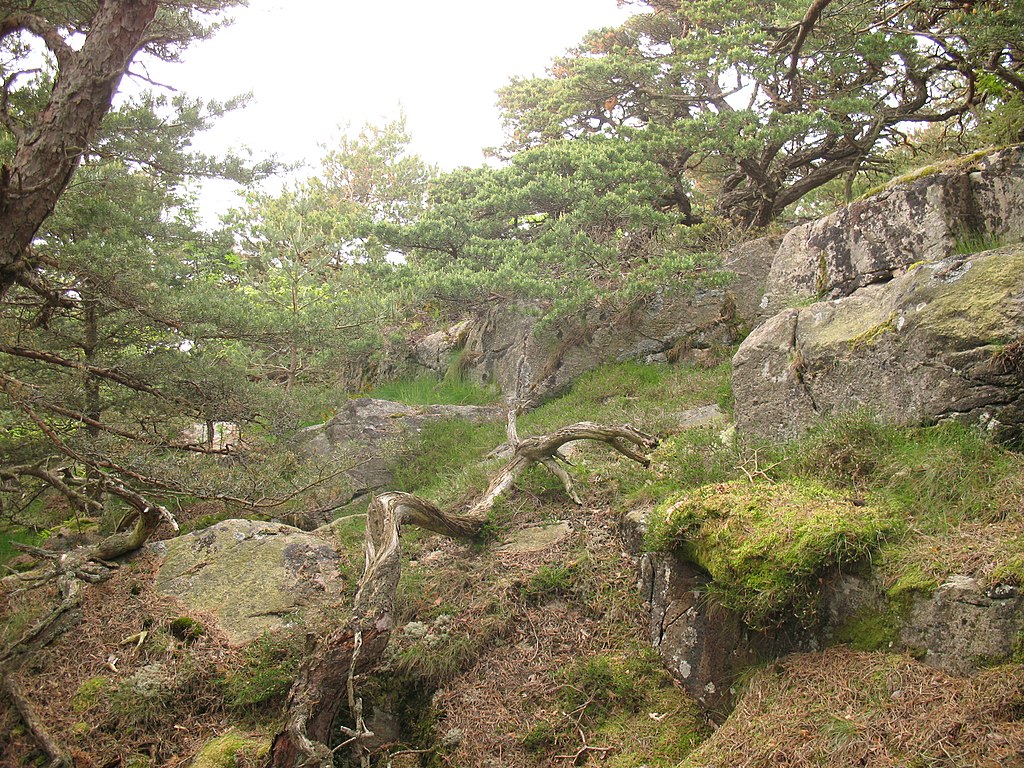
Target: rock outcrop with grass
[[940, 342], [366, 432], [961, 206], [507, 345]]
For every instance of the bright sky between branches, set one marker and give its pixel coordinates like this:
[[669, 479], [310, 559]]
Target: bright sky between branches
[[315, 66]]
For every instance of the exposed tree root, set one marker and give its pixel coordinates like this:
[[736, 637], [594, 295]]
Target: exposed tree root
[[58, 758], [13, 657], [90, 564], [316, 696]]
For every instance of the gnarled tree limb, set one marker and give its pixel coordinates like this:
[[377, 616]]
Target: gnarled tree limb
[[332, 665]]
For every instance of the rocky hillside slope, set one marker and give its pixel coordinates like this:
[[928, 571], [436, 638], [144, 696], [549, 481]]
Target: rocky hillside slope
[[830, 508]]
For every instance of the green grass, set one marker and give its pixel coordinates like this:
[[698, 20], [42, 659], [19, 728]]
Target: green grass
[[648, 396], [431, 390], [16, 534], [443, 464]]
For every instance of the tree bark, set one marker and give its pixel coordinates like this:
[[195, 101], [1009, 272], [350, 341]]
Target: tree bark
[[49, 150], [326, 680]]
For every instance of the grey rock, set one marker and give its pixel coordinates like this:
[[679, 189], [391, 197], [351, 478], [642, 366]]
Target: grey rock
[[961, 628], [922, 348], [252, 577], [535, 538], [434, 352], [918, 219], [704, 646]]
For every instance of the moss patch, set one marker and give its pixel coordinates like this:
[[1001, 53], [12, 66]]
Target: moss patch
[[765, 544], [231, 750]]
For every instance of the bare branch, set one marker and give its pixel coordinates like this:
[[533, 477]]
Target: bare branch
[[41, 28]]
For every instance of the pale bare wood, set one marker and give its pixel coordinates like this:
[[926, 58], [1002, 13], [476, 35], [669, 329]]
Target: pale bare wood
[[335, 662]]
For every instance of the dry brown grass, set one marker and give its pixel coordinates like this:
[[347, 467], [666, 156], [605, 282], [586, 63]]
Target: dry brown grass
[[844, 708], [512, 688], [102, 723]]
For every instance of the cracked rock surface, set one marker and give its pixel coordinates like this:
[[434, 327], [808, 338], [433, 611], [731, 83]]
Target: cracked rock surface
[[928, 346], [251, 576]]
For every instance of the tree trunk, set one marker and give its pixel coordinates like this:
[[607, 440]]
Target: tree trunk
[[327, 678], [49, 150]]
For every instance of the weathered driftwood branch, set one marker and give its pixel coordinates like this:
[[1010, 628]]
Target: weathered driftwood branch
[[332, 665], [14, 656]]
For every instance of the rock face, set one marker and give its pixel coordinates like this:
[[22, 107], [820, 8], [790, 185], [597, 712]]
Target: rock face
[[935, 343], [365, 429], [973, 199], [253, 577], [958, 628], [703, 645], [506, 343], [434, 352]]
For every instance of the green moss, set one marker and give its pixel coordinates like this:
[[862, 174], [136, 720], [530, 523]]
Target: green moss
[[16, 534], [765, 544], [625, 699], [228, 750], [872, 628], [945, 166], [913, 579], [81, 729], [267, 672], [90, 693], [186, 628], [821, 282], [870, 337], [664, 732], [1010, 572], [539, 738]]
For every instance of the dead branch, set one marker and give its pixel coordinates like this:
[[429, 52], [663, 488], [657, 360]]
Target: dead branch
[[336, 661], [58, 757]]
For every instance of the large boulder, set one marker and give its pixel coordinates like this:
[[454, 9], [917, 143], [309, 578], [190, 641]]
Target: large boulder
[[926, 216], [940, 342], [510, 344], [253, 577]]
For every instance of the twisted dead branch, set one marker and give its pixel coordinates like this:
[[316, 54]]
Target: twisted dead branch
[[334, 663]]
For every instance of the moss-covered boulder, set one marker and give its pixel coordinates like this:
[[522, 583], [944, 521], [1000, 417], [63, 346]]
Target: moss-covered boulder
[[941, 342], [742, 572], [765, 545], [230, 750], [253, 577]]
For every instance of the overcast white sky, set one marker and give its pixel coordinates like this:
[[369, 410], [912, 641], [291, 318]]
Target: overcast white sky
[[316, 65]]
